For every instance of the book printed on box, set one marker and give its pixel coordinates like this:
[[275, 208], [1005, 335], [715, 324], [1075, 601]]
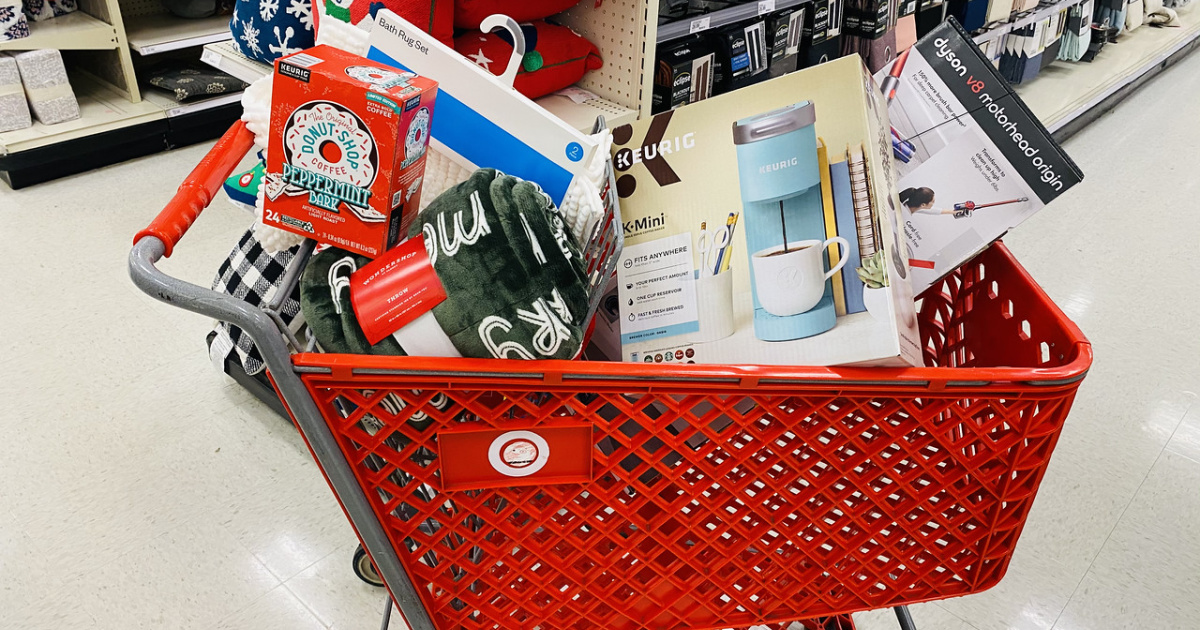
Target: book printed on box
[[743, 222]]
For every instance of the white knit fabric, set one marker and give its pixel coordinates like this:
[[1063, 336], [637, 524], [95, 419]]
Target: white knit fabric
[[343, 35], [440, 174], [582, 207], [256, 110], [273, 239]]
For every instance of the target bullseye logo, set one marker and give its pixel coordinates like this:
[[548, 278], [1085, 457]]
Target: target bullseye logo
[[518, 453]]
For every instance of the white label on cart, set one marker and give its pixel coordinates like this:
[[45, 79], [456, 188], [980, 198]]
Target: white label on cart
[[657, 289], [699, 24], [766, 6], [518, 453]]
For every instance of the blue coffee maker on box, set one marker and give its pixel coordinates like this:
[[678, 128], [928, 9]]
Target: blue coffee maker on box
[[780, 182]]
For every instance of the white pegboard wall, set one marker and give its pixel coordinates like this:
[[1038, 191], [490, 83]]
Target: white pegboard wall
[[135, 8], [618, 29]]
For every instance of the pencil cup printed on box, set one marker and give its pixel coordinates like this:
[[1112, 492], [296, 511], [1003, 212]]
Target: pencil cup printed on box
[[747, 217]]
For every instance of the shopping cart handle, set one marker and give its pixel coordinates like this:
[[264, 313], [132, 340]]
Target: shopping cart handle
[[198, 190]]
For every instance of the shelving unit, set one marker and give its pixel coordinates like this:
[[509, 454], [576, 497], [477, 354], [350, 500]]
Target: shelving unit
[[73, 31], [1043, 11], [101, 109], [1066, 96], [226, 58], [117, 121], [717, 19], [162, 32], [172, 108]]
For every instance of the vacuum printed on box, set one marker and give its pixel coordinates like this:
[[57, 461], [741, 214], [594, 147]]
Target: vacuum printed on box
[[347, 152], [760, 227], [972, 160]]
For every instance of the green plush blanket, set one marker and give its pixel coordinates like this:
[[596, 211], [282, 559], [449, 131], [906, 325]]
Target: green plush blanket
[[515, 280]]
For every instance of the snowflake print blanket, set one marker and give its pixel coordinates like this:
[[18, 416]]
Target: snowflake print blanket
[[266, 30], [514, 278]]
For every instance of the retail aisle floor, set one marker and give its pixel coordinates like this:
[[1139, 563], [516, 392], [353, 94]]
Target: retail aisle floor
[[140, 489]]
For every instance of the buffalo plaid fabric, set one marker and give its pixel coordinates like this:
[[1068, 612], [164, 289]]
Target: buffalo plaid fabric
[[253, 275]]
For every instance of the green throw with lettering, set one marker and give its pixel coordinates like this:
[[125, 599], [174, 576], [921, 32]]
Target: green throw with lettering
[[515, 281]]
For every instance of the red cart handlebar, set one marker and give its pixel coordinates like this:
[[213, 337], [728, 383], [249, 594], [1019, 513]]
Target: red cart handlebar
[[198, 190]]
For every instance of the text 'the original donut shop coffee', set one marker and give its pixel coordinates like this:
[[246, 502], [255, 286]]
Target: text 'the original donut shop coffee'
[[347, 151]]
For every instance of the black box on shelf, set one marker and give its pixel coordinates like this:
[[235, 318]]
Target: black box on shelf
[[822, 32], [741, 55], [786, 30], [930, 13], [684, 72], [816, 54]]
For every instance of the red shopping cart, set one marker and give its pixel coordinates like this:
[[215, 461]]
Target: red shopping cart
[[692, 497]]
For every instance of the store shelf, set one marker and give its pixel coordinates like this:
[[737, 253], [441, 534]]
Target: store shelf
[[225, 57], [1065, 91], [1043, 11], [101, 109], [736, 13], [583, 115], [174, 108], [73, 31], [162, 32]]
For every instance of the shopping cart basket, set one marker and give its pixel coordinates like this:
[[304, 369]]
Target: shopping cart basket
[[678, 496]]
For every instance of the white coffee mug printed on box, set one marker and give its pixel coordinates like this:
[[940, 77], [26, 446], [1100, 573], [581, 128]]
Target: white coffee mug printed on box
[[793, 281]]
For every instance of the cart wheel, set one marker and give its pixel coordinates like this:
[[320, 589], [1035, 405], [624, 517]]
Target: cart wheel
[[364, 569]]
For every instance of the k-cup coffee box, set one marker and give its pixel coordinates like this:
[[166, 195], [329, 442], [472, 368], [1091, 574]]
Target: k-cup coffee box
[[762, 227], [347, 151]]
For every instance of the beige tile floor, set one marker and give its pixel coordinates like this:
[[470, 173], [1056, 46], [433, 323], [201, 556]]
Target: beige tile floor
[[141, 489]]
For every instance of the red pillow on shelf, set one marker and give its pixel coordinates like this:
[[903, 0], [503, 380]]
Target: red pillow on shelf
[[435, 17], [470, 13], [555, 56]]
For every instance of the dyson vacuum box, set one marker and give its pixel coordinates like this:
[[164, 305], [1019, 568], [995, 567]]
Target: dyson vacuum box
[[760, 227]]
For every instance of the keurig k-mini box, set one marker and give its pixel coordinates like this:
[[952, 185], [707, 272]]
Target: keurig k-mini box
[[746, 218]]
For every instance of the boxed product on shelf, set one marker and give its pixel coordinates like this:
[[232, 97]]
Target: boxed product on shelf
[[930, 13], [870, 31], [760, 227], [14, 111], [13, 22], [683, 72], [972, 14], [46, 86], [822, 32], [976, 161], [741, 54], [347, 152], [785, 29]]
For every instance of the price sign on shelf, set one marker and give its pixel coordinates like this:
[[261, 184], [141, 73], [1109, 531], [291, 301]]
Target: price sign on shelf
[[699, 24], [211, 58], [766, 6]]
